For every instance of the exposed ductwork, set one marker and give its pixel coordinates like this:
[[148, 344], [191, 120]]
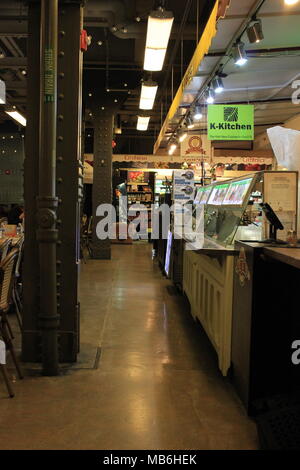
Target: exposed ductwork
[[113, 11]]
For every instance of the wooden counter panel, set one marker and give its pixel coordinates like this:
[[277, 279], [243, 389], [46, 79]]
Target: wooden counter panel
[[289, 256]]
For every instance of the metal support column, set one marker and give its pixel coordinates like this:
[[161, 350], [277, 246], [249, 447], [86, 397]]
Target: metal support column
[[102, 183], [31, 342], [47, 200], [69, 188]]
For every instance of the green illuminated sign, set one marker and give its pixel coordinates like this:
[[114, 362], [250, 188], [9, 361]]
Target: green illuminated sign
[[230, 122]]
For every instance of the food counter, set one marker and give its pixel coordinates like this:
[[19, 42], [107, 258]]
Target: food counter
[[265, 322], [231, 212]]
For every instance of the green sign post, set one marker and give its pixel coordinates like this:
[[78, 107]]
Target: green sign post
[[230, 122]]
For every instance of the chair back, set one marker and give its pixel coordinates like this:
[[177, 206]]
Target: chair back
[[5, 249], [20, 246], [90, 225], [7, 268]]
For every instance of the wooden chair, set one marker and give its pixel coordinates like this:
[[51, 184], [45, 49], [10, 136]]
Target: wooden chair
[[7, 268]]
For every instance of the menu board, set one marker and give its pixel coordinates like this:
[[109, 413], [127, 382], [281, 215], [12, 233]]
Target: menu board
[[237, 192], [218, 193]]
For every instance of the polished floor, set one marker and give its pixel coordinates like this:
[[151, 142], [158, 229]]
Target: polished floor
[[156, 383]]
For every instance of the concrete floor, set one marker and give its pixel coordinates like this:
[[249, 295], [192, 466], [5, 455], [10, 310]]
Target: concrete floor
[[157, 385]]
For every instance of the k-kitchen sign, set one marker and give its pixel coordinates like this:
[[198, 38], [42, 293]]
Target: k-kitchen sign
[[230, 122], [196, 145]]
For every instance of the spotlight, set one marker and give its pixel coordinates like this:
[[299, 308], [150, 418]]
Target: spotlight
[[183, 137], [291, 2], [124, 29], [255, 32], [210, 98], [190, 122], [172, 148], [239, 54], [137, 19], [198, 114], [114, 28], [99, 43], [217, 85]]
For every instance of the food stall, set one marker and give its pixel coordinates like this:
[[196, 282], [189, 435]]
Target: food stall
[[231, 212]]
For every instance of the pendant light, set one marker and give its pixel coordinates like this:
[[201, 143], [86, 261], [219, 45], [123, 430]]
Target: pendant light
[[142, 123], [148, 93], [159, 28]]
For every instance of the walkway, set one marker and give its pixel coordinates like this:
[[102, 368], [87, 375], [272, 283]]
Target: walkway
[[156, 385]]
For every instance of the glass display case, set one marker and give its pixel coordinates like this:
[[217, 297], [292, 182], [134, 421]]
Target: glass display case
[[225, 208], [232, 208]]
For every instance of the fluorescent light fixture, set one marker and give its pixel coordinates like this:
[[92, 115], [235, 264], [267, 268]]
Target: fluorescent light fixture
[[291, 2], [158, 33], [217, 85], [142, 123], [17, 117], [172, 149], [2, 92], [183, 137], [255, 32], [148, 93], [198, 114], [210, 99], [239, 54]]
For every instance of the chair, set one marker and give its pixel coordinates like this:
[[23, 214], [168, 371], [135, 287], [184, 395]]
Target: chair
[[86, 236], [7, 269], [4, 370], [5, 248], [16, 297]]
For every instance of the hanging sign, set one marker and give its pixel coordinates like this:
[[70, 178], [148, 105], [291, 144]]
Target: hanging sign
[[230, 122], [196, 145], [243, 160]]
